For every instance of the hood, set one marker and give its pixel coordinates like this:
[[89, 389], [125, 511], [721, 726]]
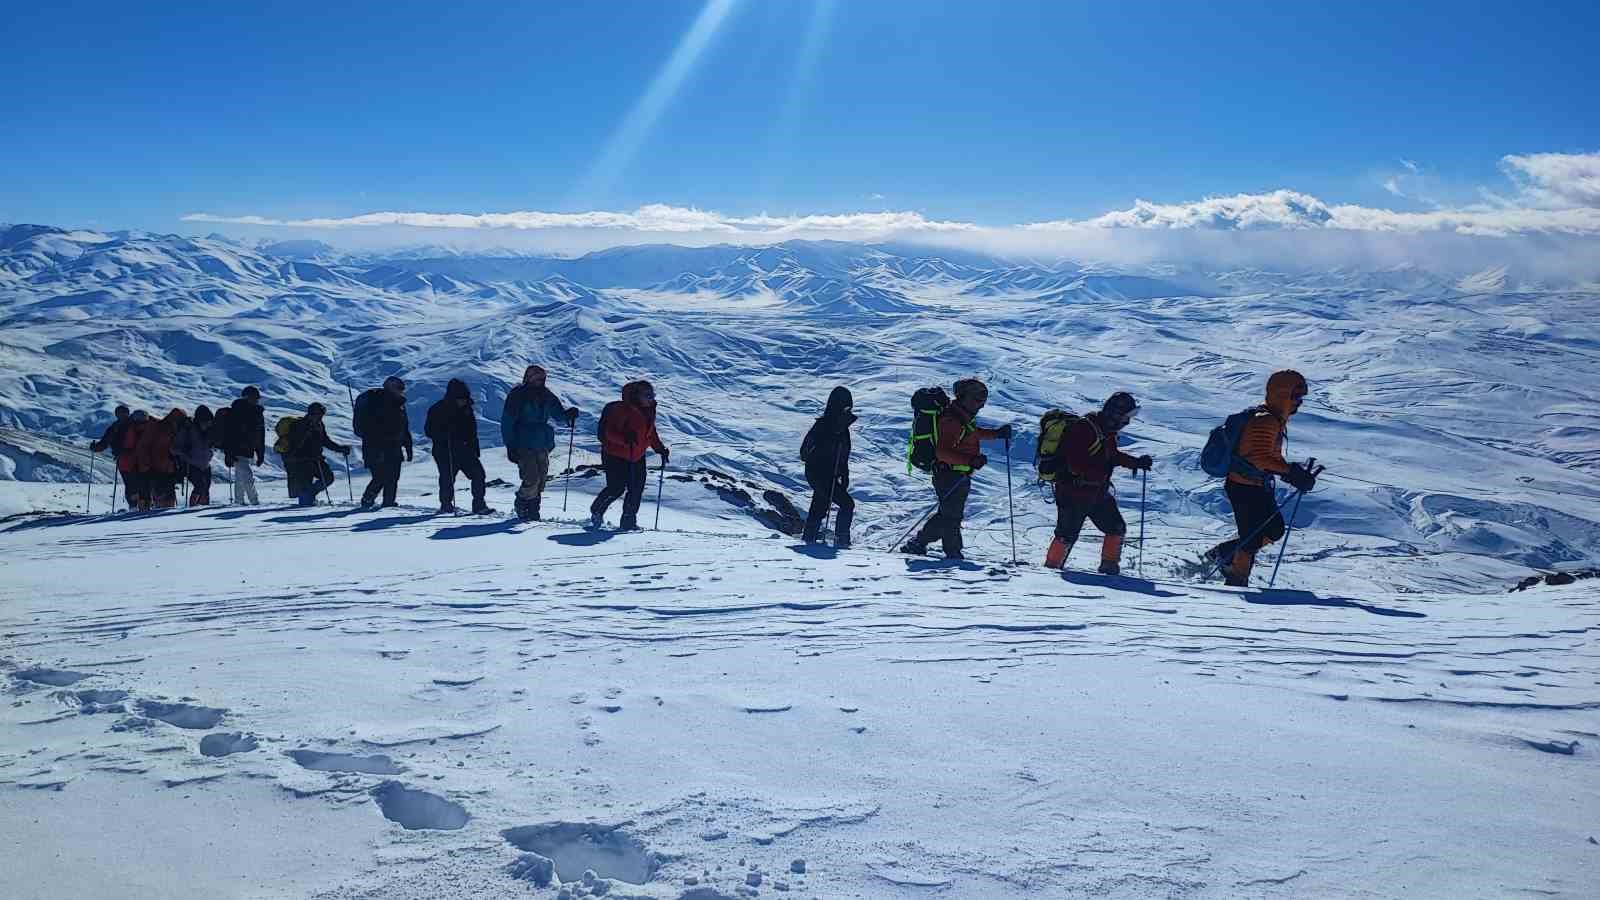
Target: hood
[[631, 391], [457, 390], [177, 417], [1281, 388], [840, 400], [202, 414]]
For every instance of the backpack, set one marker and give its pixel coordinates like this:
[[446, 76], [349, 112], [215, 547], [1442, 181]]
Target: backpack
[[605, 413], [282, 429], [366, 407], [927, 404], [1046, 456], [1222, 447]]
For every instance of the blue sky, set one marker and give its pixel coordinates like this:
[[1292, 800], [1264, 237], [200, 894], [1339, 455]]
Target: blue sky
[[995, 113]]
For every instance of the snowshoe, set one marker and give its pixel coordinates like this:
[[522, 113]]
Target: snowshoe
[[1109, 567]]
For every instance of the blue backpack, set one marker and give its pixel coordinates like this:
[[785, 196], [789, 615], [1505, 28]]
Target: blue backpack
[[1222, 447]]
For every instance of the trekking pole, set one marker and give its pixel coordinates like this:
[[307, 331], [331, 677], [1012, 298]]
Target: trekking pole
[[566, 486], [116, 479], [661, 479], [931, 511], [1277, 513], [1144, 489], [1011, 509], [833, 481], [89, 498], [1287, 530], [349, 489]]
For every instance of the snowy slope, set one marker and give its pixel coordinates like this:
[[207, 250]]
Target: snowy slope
[[284, 702]]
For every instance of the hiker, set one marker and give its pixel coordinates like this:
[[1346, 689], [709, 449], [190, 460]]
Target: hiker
[[111, 439], [192, 448], [133, 477], [627, 429], [957, 456], [244, 439], [385, 431], [153, 460], [1087, 455], [826, 453], [307, 472], [525, 430], [1256, 461], [453, 427]]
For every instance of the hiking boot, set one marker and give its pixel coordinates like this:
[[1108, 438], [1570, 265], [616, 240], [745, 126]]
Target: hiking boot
[[1109, 567], [447, 509], [482, 509], [841, 542], [597, 520], [912, 548], [955, 557], [629, 525]]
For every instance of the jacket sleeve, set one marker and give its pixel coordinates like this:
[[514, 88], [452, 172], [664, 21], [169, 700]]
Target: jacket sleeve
[[405, 425], [945, 449], [655, 439], [1261, 444], [554, 412], [1119, 458], [431, 426], [509, 414], [329, 443], [261, 431]]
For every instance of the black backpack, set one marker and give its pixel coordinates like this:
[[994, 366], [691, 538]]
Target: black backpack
[[605, 413], [366, 407], [927, 404]]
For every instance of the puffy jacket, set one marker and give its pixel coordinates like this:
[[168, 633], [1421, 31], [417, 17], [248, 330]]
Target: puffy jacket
[[153, 453], [528, 417], [629, 429], [1088, 454], [111, 438], [190, 444], [307, 439], [246, 430], [826, 448], [453, 428], [129, 440], [957, 446], [388, 424], [1261, 441]]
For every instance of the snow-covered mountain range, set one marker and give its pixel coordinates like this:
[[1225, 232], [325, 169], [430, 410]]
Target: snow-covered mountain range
[[1463, 406]]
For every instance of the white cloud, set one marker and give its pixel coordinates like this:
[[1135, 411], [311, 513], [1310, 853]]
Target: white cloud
[[1559, 180]]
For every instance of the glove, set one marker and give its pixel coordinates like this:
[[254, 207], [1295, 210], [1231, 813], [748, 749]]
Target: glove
[[511, 454], [979, 462], [1143, 463], [408, 454], [344, 450], [572, 417], [665, 455], [1005, 433], [96, 446], [1300, 478]]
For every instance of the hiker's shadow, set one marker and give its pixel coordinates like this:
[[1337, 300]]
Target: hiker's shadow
[[314, 517], [387, 522], [815, 551], [477, 529], [1122, 583], [583, 538], [1306, 598], [926, 566]]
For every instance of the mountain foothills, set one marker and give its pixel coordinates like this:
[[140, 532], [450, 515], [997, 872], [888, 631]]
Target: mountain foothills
[[1455, 415]]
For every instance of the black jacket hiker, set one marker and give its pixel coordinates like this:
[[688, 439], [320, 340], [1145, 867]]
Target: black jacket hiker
[[385, 430], [826, 452], [452, 425], [308, 473]]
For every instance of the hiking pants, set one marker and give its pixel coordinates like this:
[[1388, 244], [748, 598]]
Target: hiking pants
[[1103, 512], [130, 488], [1254, 507], [200, 478], [952, 489], [472, 468], [244, 482], [534, 467], [822, 489], [623, 479], [384, 464]]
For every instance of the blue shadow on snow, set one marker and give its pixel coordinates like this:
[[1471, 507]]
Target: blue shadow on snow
[[477, 529], [583, 538], [1122, 583], [315, 517], [386, 522], [1306, 598], [917, 566], [815, 551]]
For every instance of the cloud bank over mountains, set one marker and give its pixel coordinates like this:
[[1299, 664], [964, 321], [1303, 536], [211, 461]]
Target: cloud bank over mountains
[[1552, 205]]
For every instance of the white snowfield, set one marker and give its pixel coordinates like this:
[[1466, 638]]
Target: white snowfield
[[283, 702]]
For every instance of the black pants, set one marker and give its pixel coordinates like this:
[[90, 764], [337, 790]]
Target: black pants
[[307, 477], [1071, 513], [384, 464], [200, 478], [1255, 509], [952, 489], [623, 479], [825, 492], [470, 467], [132, 487]]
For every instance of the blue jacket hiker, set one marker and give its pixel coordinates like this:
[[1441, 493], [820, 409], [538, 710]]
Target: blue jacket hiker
[[526, 426]]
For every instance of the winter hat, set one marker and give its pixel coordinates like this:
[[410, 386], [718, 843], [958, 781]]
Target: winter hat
[[839, 401], [251, 393], [634, 390], [1119, 407], [1282, 388], [202, 414], [396, 381], [457, 390], [316, 409], [121, 409], [966, 387]]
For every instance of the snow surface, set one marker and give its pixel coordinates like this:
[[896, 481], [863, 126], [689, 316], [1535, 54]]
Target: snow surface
[[324, 702]]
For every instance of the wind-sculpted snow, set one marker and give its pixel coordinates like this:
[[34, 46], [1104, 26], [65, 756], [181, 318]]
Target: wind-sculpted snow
[[1454, 414], [709, 708]]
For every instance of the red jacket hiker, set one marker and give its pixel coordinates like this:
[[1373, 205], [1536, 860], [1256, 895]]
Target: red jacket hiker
[[628, 428], [1088, 454], [152, 455]]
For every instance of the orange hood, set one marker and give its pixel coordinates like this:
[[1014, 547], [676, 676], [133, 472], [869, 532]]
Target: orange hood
[[1281, 388]]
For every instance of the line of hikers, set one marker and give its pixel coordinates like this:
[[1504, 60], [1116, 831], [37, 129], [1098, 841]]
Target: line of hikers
[[1076, 455]]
